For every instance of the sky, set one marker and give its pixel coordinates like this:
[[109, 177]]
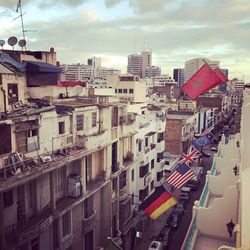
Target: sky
[[175, 31]]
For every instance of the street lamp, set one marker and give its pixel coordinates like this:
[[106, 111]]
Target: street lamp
[[230, 227]]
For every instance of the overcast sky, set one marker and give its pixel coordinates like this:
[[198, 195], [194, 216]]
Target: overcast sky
[[175, 30]]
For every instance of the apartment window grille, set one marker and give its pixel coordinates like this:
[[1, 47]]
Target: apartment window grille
[[143, 170], [8, 198], [120, 91], [79, 122], [88, 207], [94, 117], [12, 93], [66, 223], [61, 127], [131, 91], [123, 181], [125, 91]]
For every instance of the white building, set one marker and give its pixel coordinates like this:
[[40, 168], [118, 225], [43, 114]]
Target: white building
[[193, 65]]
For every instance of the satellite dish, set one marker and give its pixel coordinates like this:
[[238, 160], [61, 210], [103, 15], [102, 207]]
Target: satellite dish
[[22, 43], [2, 42], [77, 90], [12, 41]]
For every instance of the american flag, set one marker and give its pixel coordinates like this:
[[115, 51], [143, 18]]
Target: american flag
[[180, 176], [189, 158], [207, 131]]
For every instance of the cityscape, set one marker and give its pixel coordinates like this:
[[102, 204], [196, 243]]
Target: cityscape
[[129, 155]]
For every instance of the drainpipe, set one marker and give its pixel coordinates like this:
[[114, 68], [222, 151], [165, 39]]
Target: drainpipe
[[4, 100]]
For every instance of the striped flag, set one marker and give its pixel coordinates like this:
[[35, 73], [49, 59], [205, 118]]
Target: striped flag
[[207, 131], [190, 157], [180, 176], [158, 202]]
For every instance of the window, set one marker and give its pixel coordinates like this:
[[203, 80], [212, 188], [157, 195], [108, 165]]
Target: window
[[143, 194], [79, 122], [115, 90], [61, 126], [159, 156], [88, 207], [152, 164], [143, 170], [114, 185], [132, 175], [152, 185], [146, 142], [131, 91], [114, 121], [160, 137], [159, 175], [125, 91], [94, 116], [139, 146], [123, 181], [120, 91], [12, 93], [66, 223], [8, 198]]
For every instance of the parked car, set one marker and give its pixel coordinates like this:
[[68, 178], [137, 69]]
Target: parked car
[[155, 245], [165, 236], [184, 196], [179, 208], [215, 149], [173, 220]]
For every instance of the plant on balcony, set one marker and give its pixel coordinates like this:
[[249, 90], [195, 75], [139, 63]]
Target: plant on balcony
[[129, 157], [152, 145]]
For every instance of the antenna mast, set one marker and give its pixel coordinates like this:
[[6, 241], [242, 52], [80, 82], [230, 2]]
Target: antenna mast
[[19, 6]]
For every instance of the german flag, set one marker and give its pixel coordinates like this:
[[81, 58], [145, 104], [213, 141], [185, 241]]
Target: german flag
[[158, 202]]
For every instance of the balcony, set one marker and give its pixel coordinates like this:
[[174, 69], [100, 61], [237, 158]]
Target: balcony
[[128, 160], [126, 226], [29, 229], [96, 183], [89, 220]]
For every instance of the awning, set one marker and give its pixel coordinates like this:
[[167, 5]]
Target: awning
[[41, 67]]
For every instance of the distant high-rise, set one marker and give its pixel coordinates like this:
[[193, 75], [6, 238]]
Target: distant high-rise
[[141, 65], [134, 64], [146, 62], [178, 75], [223, 87], [94, 62], [152, 71], [193, 65]]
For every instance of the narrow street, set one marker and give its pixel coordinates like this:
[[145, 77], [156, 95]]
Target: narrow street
[[179, 234]]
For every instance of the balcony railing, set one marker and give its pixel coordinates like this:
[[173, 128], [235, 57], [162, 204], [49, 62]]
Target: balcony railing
[[126, 226], [30, 229], [204, 195], [189, 241]]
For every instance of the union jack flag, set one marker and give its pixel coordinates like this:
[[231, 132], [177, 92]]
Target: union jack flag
[[180, 176], [207, 131], [190, 157]]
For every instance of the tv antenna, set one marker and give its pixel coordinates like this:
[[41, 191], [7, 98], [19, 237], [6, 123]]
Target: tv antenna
[[19, 8]]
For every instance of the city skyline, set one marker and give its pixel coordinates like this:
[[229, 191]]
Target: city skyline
[[176, 31]]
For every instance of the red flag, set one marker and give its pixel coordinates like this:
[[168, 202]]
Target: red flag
[[202, 81], [223, 78]]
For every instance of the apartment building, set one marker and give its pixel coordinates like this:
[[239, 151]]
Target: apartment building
[[63, 169], [179, 132], [128, 87]]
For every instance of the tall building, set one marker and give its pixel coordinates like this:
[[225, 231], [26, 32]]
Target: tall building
[[178, 75], [134, 64], [141, 65], [193, 65], [146, 62], [94, 62], [152, 71], [223, 87]]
